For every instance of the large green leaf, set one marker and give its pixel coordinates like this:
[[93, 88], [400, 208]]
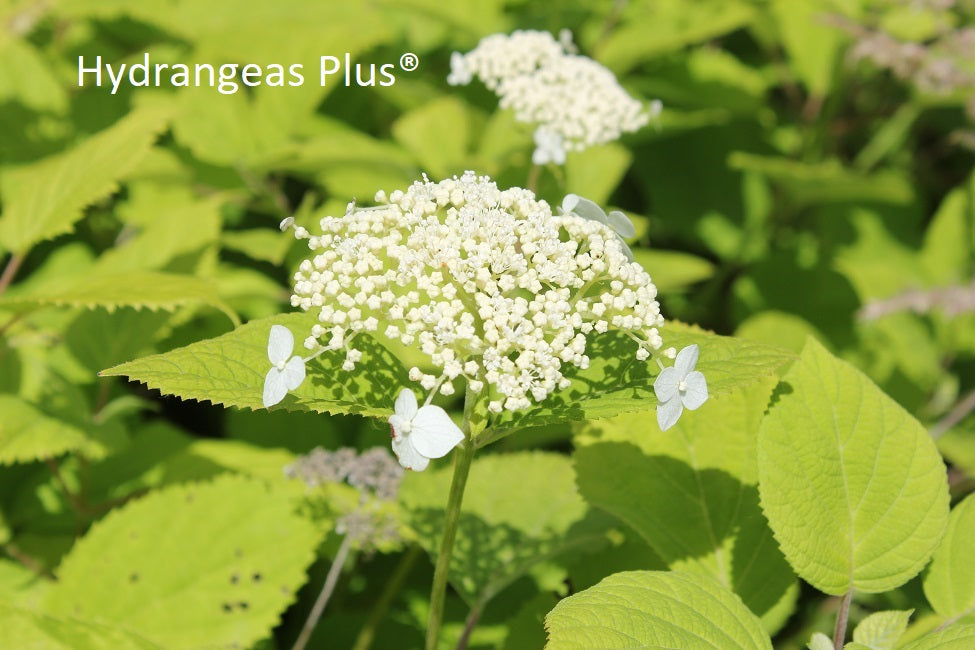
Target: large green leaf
[[950, 580], [137, 289], [438, 135], [881, 630], [654, 610], [519, 509], [672, 270], [230, 370], [200, 565], [50, 195], [27, 434], [22, 628], [616, 382], [691, 492], [852, 485], [956, 637]]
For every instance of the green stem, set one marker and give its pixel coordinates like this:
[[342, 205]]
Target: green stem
[[333, 577], [462, 467], [533, 174], [839, 634], [393, 587]]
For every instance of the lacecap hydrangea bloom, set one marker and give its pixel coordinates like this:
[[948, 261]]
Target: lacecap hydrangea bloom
[[573, 101]]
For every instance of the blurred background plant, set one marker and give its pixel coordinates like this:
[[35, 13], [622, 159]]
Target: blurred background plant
[[811, 173]]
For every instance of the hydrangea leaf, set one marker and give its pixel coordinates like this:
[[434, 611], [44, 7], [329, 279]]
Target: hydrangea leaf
[[27, 434], [520, 532], [949, 583], [882, 630], [820, 641], [654, 609], [22, 628], [139, 289], [596, 172], [852, 485], [199, 565], [438, 134], [52, 193], [230, 370], [672, 270], [955, 637], [710, 522], [616, 382]]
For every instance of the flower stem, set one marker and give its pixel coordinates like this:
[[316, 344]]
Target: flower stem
[[842, 616], [533, 174], [462, 467], [9, 271], [316, 611]]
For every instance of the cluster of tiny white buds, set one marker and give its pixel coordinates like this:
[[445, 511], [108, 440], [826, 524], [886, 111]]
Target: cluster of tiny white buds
[[573, 101], [490, 286]]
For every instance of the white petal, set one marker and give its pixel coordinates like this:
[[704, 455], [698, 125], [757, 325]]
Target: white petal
[[665, 386], [397, 423], [668, 413], [569, 203], [405, 404], [589, 210], [274, 387], [697, 390], [621, 224], [294, 373], [434, 433], [686, 360], [408, 456], [280, 343], [626, 250]]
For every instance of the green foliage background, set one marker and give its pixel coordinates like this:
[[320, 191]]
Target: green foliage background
[[787, 191]]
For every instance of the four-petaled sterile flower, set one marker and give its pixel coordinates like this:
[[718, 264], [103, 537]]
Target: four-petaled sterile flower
[[285, 374], [678, 387], [420, 434]]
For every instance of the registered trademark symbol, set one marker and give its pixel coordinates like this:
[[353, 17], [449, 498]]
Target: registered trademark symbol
[[409, 62]]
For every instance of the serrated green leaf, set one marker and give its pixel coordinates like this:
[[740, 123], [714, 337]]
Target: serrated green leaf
[[438, 135], [672, 270], [191, 566], [826, 182], [230, 370], [949, 583], [139, 289], [520, 532], [51, 194], [22, 628], [710, 521], [852, 485], [654, 609], [956, 637], [27, 434], [882, 630], [616, 382]]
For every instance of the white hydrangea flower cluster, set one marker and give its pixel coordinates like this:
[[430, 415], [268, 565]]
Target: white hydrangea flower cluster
[[574, 101], [492, 286]]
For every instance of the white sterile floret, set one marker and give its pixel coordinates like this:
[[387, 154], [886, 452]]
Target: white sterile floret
[[285, 374], [546, 84], [487, 284], [420, 434], [679, 387], [619, 222]]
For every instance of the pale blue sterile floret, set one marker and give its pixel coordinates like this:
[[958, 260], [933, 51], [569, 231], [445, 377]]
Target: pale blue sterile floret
[[619, 222], [679, 387], [285, 374]]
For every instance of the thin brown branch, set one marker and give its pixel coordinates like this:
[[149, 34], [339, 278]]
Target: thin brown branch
[[952, 301], [957, 413], [28, 562], [9, 271]]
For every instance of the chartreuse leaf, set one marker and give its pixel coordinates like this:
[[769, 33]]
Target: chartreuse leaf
[[955, 637], [22, 628], [710, 522], [950, 580], [230, 370], [852, 485], [616, 382], [519, 509], [27, 434], [672, 270], [654, 609], [882, 630], [820, 641], [199, 565], [438, 134], [139, 289], [50, 195]]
